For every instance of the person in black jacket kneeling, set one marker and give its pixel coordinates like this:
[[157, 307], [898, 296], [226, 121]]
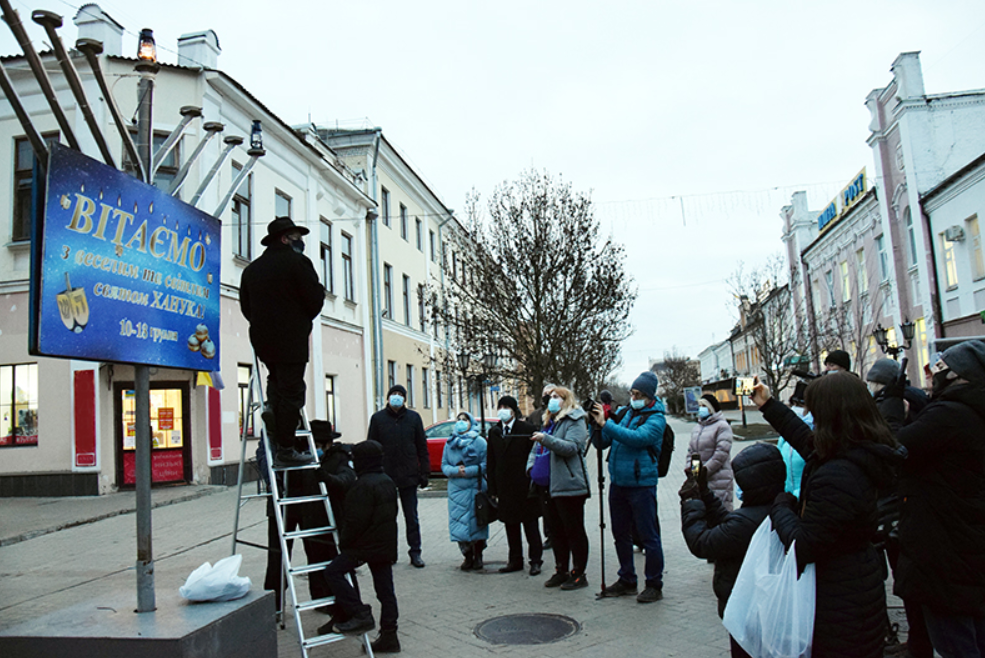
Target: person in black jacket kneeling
[[369, 534], [714, 533]]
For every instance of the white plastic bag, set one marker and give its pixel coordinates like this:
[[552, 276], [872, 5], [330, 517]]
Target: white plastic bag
[[771, 612], [220, 582]]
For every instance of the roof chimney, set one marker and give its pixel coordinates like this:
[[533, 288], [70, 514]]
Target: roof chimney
[[199, 49], [94, 23]]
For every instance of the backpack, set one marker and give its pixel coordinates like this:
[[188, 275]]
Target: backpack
[[666, 446]]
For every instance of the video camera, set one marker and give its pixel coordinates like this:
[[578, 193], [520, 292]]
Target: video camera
[[805, 374]]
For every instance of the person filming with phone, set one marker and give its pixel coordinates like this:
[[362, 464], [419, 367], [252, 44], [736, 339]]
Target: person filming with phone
[[851, 456]]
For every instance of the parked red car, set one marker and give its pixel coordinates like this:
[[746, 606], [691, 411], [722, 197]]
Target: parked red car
[[437, 436]]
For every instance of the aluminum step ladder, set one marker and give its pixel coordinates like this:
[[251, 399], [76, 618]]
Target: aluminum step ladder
[[281, 502]]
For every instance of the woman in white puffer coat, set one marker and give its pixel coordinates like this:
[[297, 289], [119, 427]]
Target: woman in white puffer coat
[[712, 441]]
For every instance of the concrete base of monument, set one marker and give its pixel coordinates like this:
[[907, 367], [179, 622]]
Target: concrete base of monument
[[109, 628]]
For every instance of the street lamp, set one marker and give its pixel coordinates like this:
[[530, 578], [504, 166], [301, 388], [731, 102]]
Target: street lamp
[[147, 50], [881, 337], [489, 361], [256, 136]]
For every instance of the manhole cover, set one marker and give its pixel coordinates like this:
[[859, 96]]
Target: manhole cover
[[529, 628]]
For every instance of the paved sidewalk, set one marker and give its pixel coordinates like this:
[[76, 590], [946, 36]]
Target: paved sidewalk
[[439, 605]]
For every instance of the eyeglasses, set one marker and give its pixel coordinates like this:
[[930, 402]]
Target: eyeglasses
[[636, 395]]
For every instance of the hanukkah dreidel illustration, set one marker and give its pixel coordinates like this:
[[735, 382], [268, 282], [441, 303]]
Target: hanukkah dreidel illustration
[[73, 307]]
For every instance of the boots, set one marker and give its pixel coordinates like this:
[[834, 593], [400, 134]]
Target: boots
[[386, 642], [477, 548], [469, 559]]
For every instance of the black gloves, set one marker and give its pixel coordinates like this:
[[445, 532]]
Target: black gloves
[[423, 482]]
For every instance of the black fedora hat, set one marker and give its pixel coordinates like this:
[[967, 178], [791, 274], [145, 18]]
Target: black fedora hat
[[323, 432], [280, 226]]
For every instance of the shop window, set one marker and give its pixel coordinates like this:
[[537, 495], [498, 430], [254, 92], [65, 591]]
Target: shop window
[[19, 405], [242, 216]]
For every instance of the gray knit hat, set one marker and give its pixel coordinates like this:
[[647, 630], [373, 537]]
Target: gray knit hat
[[883, 371], [967, 360]]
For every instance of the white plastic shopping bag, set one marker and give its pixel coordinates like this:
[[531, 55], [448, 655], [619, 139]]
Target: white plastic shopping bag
[[771, 612], [219, 582]]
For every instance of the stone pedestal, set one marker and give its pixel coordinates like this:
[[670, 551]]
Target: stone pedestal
[[109, 628]]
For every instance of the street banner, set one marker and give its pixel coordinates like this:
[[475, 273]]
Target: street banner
[[691, 396], [127, 272]]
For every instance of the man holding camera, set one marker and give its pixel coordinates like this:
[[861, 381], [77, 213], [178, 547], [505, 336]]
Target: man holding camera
[[634, 444]]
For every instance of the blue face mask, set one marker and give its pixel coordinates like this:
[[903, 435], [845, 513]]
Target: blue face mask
[[703, 412], [461, 427], [396, 401], [554, 405], [321, 453], [637, 404]]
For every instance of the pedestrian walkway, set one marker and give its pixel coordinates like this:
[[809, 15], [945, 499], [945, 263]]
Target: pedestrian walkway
[[69, 560]]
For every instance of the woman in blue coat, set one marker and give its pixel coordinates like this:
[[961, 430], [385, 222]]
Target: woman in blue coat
[[464, 464]]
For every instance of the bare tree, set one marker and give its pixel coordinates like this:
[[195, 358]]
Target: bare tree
[[678, 372], [536, 285], [768, 317]]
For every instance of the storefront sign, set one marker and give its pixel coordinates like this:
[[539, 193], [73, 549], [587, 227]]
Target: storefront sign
[[127, 273], [166, 466], [841, 204]]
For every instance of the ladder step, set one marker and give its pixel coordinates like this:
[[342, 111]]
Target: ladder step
[[295, 500], [321, 640], [298, 467], [251, 496], [310, 532], [308, 568], [315, 603]]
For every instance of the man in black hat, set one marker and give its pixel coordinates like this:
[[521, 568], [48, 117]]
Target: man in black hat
[[405, 458], [280, 296], [838, 361]]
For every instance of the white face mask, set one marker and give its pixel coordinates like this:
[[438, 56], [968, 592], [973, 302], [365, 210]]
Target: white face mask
[[875, 387], [505, 415]]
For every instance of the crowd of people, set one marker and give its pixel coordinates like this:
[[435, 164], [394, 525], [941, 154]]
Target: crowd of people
[[863, 471]]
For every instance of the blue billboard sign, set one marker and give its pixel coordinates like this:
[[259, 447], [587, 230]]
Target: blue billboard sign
[[127, 273]]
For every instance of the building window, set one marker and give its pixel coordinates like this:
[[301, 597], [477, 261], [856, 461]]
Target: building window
[[419, 234], [437, 387], [391, 373], [421, 308], [385, 203], [403, 221], [410, 385], [830, 280], [975, 248], [433, 246], [950, 266], [19, 405], [846, 283], [243, 375], [387, 291], [454, 266], [883, 258], [348, 285], [406, 295], [330, 400], [327, 264], [426, 385], [911, 236], [282, 204], [23, 181], [242, 217], [861, 273]]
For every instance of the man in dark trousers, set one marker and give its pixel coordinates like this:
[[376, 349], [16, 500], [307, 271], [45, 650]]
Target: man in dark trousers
[[506, 466], [369, 534], [280, 295], [405, 459]]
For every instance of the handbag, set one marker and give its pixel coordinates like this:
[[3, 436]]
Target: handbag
[[771, 611], [540, 472], [485, 505]]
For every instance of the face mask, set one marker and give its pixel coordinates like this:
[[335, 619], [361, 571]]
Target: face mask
[[703, 412], [505, 415], [396, 401], [298, 245], [637, 404], [874, 387], [554, 405], [546, 400], [738, 492], [461, 426], [320, 452], [941, 380]]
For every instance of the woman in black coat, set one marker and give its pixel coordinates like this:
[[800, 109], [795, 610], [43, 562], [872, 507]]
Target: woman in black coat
[[851, 459], [506, 463]]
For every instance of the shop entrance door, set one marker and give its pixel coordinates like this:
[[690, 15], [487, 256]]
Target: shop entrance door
[[169, 426]]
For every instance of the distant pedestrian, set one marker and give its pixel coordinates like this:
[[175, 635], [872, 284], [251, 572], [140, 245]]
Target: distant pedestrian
[[463, 462], [405, 459], [509, 447], [711, 440]]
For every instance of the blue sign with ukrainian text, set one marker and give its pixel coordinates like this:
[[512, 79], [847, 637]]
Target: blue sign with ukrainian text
[[128, 273]]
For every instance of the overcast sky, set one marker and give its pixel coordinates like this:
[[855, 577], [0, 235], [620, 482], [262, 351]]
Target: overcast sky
[[691, 123]]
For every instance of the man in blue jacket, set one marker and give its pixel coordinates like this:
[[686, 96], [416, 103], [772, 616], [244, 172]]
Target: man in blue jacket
[[634, 443]]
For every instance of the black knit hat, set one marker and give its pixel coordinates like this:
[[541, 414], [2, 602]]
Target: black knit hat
[[397, 388], [839, 358], [760, 473], [605, 396], [279, 227], [713, 401], [510, 402], [367, 456]]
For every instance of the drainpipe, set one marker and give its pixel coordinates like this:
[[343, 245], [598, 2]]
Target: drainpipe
[[372, 219], [441, 269]]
